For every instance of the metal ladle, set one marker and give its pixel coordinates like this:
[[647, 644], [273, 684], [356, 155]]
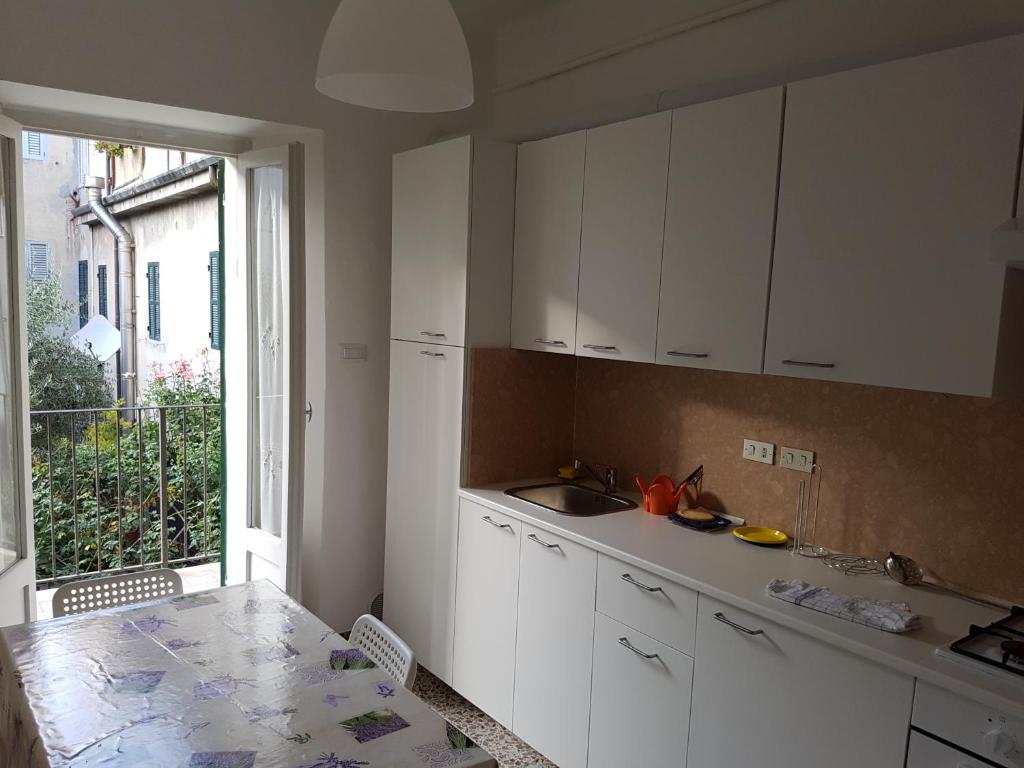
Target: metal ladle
[[905, 570]]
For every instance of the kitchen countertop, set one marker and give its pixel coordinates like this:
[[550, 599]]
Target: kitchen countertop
[[721, 566]]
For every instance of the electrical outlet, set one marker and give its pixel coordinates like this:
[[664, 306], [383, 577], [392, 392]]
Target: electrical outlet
[[795, 458], [757, 451]]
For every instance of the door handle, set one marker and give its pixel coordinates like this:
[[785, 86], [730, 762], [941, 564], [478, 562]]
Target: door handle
[[309, 412], [721, 617], [677, 353], [808, 364], [534, 537], [624, 641], [495, 523], [626, 577]]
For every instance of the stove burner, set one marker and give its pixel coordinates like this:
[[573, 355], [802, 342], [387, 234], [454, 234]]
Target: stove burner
[[1000, 644]]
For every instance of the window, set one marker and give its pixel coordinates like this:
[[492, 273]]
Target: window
[[83, 293], [215, 324], [33, 145], [101, 284], [37, 260], [153, 279]]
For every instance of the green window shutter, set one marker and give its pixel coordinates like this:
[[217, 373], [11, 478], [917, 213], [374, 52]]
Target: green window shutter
[[83, 293], [216, 328], [101, 284], [153, 279], [37, 260]]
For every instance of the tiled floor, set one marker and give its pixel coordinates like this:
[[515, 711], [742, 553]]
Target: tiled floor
[[195, 578], [509, 751]]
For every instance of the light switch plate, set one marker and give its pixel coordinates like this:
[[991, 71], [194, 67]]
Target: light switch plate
[[754, 450], [796, 458], [353, 351]]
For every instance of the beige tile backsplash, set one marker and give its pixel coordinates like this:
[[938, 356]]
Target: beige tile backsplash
[[938, 477]]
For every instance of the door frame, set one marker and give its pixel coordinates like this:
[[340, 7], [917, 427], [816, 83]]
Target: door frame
[[19, 378], [226, 137]]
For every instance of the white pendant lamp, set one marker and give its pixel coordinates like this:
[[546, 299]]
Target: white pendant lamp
[[400, 55]]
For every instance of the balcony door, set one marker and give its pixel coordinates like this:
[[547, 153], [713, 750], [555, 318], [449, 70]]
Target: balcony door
[[17, 556], [264, 378]]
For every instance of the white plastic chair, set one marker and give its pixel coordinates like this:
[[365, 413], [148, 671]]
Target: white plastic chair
[[89, 595], [383, 647]]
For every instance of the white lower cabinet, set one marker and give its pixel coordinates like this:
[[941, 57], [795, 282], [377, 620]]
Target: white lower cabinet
[[771, 697], [555, 635], [487, 582], [640, 700]]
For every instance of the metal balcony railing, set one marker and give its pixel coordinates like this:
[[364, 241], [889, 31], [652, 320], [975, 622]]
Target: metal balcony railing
[[122, 489]]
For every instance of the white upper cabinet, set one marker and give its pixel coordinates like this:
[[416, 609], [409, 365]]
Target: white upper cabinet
[[430, 242], [451, 242], [546, 264], [718, 232], [620, 248], [893, 178]]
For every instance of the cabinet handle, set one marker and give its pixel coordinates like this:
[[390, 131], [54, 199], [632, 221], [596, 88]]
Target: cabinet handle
[[431, 354], [495, 523], [432, 334], [635, 583], [550, 342], [624, 641], [534, 537], [677, 353], [808, 364], [721, 617], [601, 348]]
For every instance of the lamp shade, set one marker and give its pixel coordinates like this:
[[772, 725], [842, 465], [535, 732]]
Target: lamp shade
[[400, 55]]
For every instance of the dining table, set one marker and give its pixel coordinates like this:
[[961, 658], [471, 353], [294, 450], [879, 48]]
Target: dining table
[[236, 677]]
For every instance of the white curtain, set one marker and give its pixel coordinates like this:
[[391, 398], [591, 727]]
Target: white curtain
[[270, 262], [9, 509]]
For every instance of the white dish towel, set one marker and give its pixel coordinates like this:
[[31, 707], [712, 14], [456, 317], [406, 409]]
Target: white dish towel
[[886, 615]]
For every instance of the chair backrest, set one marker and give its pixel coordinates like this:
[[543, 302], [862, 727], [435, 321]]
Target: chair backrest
[[108, 591], [383, 647]]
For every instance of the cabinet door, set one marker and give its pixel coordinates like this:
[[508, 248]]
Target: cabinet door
[[893, 178], [640, 704], [546, 265], [424, 440], [718, 232], [485, 609], [430, 242], [789, 700], [554, 640], [623, 228]]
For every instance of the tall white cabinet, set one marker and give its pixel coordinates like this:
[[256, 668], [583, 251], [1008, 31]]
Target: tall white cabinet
[[893, 178], [620, 248], [450, 290], [549, 215], [718, 232]]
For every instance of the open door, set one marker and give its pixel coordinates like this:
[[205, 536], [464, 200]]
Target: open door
[[264, 377], [17, 553]]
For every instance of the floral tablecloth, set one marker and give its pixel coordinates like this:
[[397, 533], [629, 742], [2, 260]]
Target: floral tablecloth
[[238, 677]]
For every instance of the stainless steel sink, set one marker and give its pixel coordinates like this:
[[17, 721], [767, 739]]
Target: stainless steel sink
[[570, 499]]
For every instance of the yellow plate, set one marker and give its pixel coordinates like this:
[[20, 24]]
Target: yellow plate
[[763, 537]]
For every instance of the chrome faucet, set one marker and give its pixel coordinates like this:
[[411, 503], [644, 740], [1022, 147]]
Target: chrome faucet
[[608, 477]]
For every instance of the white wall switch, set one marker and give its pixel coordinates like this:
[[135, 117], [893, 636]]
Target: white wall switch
[[795, 458], [758, 451]]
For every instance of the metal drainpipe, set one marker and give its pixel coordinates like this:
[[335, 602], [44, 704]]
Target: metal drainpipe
[[91, 195]]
